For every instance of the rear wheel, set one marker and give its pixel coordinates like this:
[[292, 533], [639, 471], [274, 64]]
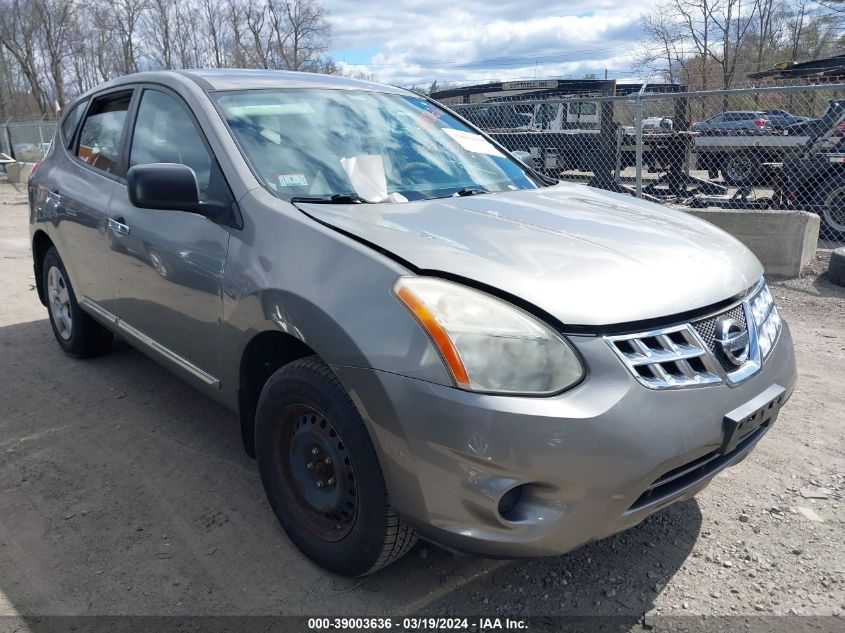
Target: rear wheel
[[741, 169], [836, 269], [832, 209], [76, 332], [321, 472]]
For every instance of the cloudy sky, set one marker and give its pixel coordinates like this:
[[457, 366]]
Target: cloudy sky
[[409, 42]]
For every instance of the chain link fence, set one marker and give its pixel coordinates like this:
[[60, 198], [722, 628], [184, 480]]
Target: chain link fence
[[766, 148], [26, 141]]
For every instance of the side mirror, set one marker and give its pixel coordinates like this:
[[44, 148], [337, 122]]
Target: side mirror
[[524, 157], [165, 186]]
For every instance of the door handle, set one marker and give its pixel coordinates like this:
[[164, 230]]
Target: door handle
[[55, 197], [118, 226]]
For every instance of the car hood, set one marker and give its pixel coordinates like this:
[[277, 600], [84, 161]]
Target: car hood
[[584, 255]]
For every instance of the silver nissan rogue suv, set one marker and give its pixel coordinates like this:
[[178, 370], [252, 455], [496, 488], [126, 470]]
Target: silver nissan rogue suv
[[420, 334]]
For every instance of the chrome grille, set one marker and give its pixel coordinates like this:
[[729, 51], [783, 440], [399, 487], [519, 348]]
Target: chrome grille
[[666, 358], [706, 329], [688, 355]]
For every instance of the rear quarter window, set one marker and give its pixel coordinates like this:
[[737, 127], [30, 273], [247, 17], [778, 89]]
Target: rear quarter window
[[72, 121], [102, 131]]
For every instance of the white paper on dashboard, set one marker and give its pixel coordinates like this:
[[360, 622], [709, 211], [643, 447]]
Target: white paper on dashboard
[[366, 173], [474, 143]]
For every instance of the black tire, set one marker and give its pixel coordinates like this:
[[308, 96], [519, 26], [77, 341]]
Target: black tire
[[830, 203], [76, 332], [836, 268], [304, 413], [741, 169]]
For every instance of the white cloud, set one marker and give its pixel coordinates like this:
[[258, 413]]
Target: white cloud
[[417, 41]]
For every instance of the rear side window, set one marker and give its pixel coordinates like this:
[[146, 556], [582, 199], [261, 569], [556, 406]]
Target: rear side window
[[71, 121], [99, 139]]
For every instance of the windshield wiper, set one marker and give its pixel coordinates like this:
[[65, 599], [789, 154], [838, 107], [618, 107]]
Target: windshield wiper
[[469, 191], [338, 198]]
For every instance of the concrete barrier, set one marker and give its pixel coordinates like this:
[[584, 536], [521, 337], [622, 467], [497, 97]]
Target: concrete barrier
[[783, 241], [19, 172]]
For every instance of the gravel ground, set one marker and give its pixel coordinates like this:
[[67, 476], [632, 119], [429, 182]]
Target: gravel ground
[[124, 491]]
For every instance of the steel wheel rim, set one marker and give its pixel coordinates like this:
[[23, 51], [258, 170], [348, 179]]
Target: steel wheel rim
[[58, 298], [834, 209], [738, 169], [325, 492]]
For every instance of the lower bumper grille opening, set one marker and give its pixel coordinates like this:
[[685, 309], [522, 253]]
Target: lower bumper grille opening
[[678, 479]]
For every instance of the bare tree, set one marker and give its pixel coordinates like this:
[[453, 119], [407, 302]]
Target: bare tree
[[213, 14], [663, 48], [126, 16], [732, 25], [107, 48], [765, 29], [56, 19], [158, 31], [235, 17], [186, 38], [697, 18], [255, 16], [19, 28], [302, 33], [712, 43], [51, 50]]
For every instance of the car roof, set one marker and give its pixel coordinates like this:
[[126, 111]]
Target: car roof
[[248, 79]]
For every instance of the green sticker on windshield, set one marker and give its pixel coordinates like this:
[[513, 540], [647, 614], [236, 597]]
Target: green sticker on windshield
[[292, 180]]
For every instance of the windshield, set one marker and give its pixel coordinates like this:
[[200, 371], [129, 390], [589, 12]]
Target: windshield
[[318, 143]]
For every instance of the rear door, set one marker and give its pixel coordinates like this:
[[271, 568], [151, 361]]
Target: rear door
[[167, 266], [81, 181]]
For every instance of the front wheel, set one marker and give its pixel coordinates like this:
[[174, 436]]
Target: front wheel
[[321, 472]]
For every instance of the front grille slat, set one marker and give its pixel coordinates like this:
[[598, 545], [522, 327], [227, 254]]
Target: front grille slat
[[686, 368], [660, 360], [682, 471]]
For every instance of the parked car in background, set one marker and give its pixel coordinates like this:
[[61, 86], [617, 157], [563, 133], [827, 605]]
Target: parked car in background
[[419, 333], [650, 125], [658, 123], [737, 122], [811, 126], [781, 118]]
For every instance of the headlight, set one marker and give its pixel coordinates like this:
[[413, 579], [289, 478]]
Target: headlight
[[766, 318], [487, 344]]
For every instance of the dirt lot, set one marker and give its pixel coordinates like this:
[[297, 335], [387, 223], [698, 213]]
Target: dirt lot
[[124, 491]]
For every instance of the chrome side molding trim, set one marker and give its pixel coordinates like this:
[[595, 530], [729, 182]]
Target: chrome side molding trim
[[150, 343], [100, 311]]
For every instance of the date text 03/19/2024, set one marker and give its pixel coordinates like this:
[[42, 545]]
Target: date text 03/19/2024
[[476, 624]]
